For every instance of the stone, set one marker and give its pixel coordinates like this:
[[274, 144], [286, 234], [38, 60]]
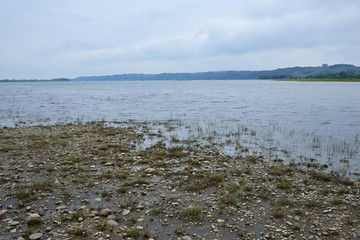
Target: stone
[[2, 212], [14, 223], [33, 219], [221, 221], [62, 207], [186, 238], [150, 170], [140, 206], [35, 236], [112, 223], [126, 212], [105, 212]]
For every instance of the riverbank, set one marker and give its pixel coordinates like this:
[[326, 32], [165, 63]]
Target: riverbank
[[322, 80], [93, 181]]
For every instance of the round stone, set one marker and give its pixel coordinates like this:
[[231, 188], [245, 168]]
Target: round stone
[[34, 219]]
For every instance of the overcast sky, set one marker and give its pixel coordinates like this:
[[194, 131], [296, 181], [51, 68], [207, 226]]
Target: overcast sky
[[69, 38]]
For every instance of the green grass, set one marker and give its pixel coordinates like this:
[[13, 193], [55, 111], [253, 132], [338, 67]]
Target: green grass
[[284, 183], [204, 179], [320, 176], [337, 201], [278, 212], [322, 80], [191, 214]]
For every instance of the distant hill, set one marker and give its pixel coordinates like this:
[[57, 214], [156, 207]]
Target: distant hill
[[292, 72]]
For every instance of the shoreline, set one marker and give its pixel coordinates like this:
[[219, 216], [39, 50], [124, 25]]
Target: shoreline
[[321, 80], [92, 181]]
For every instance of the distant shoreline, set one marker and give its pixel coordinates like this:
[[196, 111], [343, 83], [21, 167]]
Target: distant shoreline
[[36, 80], [321, 80]]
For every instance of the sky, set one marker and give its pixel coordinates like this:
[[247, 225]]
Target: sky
[[46, 39]]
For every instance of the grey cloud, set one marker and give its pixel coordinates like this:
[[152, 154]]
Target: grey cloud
[[113, 36]]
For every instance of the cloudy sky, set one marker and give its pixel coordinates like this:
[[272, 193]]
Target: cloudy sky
[[70, 38]]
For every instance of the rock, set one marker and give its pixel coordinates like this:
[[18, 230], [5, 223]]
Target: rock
[[221, 221], [2, 212], [112, 223], [140, 206], [62, 207], [126, 212], [105, 212], [186, 238], [35, 236], [14, 223], [34, 219], [150, 170], [111, 217], [97, 200]]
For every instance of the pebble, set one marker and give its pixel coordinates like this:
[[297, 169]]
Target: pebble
[[105, 212], [112, 223], [150, 170], [33, 219], [221, 221], [125, 212], [111, 217], [14, 223], [62, 207], [2, 212], [35, 236]]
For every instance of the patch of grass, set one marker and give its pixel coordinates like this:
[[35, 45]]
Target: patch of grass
[[299, 212], [77, 231], [320, 176], [28, 231], [192, 213], [122, 189], [176, 152], [252, 159], [122, 173], [278, 212], [101, 226], [137, 180], [132, 232], [284, 183], [158, 164], [129, 203], [312, 203], [204, 179], [284, 202], [155, 211], [232, 187], [103, 148], [194, 162], [78, 214], [107, 174], [348, 182], [337, 201], [179, 230], [73, 160], [342, 191], [6, 148], [296, 227]]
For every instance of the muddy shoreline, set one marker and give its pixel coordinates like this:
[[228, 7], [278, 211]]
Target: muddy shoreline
[[95, 181]]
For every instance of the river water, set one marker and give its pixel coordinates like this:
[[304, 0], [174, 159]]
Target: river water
[[295, 120]]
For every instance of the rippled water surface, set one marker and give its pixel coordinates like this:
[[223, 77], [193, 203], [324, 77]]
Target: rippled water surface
[[313, 120]]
